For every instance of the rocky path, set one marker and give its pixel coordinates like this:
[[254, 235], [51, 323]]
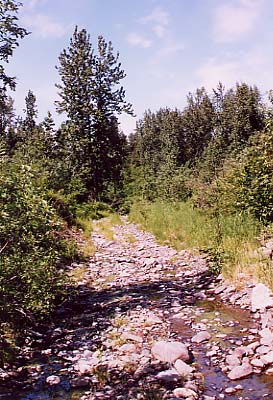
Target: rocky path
[[150, 323]]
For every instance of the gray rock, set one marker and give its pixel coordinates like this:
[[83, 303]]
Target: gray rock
[[232, 360], [84, 366], [266, 337], [267, 358], [132, 337], [263, 350], [261, 298], [170, 375], [182, 368], [240, 371], [185, 393], [257, 362], [170, 351], [201, 337]]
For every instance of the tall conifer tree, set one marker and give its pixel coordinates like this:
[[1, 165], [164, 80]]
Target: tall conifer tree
[[92, 97]]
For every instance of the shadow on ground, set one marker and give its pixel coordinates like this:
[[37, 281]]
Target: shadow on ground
[[83, 319]]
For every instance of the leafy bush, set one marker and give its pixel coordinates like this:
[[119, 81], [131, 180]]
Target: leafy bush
[[32, 244]]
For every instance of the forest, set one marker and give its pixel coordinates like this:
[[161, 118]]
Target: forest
[[200, 177]]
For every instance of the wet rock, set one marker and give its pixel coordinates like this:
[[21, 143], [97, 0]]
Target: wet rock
[[240, 371], [170, 351], [201, 337], [269, 371], [80, 382], [230, 390], [170, 375]]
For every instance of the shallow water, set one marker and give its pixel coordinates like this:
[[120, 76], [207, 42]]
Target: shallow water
[[255, 387]]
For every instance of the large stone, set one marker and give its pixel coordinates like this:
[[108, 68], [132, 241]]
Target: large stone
[[201, 337], [232, 360], [257, 362], [170, 351], [267, 358], [266, 337], [84, 366], [185, 393], [240, 371], [261, 298], [182, 368]]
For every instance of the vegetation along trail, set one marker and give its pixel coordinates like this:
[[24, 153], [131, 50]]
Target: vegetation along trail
[[148, 322]]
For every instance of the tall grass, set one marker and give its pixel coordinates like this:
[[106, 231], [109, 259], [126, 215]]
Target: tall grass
[[234, 248]]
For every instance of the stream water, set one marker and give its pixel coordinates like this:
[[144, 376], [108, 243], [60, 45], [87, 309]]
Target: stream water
[[219, 316]]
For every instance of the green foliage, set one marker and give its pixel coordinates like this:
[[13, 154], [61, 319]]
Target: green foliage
[[186, 227], [10, 33], [31, 113], [92, 97], [248, 185], [32, 244]]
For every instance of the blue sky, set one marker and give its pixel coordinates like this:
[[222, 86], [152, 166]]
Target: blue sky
[[167, 47]]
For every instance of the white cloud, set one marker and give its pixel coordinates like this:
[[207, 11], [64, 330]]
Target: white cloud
[[234, 20], [159, 19], [243, 67], [43, 26], [214, 71], [136, 39]]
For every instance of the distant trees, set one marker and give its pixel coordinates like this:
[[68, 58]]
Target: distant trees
[[92, 98], [170, 145]]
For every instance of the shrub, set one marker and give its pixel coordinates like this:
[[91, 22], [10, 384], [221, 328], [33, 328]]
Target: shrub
[[32, 244]]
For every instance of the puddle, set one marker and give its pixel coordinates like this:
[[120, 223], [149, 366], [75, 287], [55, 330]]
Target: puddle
[[218, 316]]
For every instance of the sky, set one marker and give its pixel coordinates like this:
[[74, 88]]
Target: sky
[[167, 48]]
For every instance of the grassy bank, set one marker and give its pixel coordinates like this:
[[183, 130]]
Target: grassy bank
[[231, 241]]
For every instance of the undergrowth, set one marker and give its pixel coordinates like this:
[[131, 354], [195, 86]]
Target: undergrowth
[[231, 242]]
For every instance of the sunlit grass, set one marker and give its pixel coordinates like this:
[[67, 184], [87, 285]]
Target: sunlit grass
[[234, 237]]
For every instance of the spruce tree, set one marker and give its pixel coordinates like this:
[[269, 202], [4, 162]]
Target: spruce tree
[[92, 97], [31, 112]]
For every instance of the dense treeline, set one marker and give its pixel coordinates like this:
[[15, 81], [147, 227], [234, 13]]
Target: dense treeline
[[220, 146], [216, 153]]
